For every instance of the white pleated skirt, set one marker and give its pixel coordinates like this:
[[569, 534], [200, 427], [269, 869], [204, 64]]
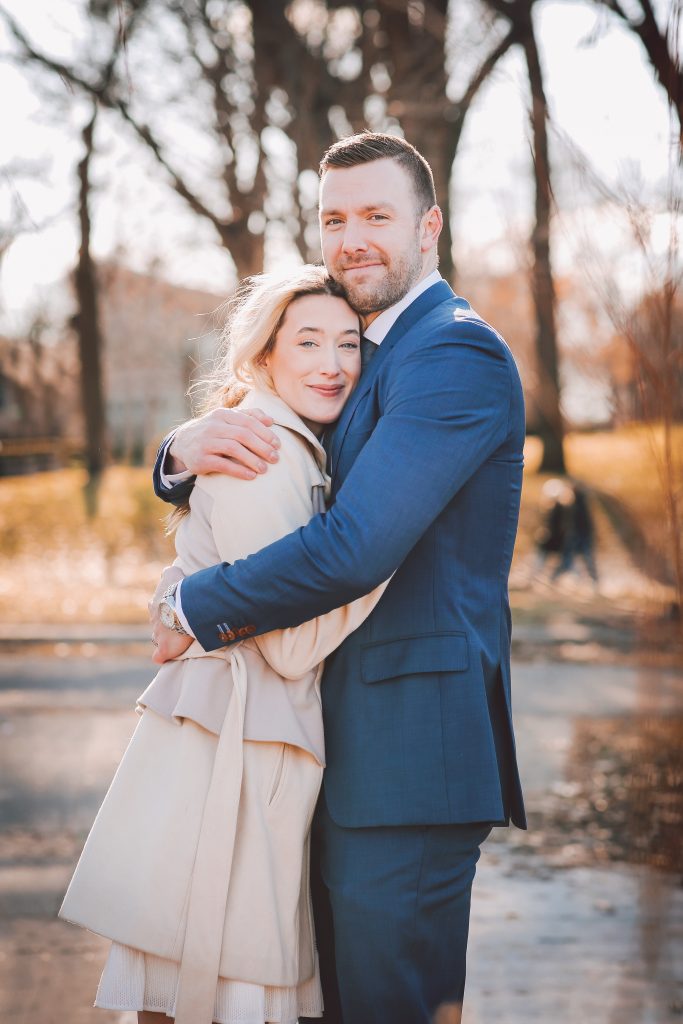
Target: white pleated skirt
[[132, 980]]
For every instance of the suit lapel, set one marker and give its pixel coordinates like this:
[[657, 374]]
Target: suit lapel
[[422, 305]]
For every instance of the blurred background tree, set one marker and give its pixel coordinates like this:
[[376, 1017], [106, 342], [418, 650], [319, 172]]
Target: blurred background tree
[[98, 63], [229, 104]]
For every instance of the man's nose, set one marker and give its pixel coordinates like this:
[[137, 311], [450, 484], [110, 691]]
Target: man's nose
[[354, 239]]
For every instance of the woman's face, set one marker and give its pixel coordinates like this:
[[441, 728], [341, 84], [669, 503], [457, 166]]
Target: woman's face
[[315, 361]]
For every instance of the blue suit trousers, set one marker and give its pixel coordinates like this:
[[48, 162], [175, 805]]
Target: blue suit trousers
[[392, 907]]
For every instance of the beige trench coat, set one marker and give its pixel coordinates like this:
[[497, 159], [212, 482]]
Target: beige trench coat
[[199, 853]]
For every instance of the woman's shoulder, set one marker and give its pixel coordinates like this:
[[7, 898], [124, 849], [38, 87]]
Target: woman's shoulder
[[296, 464]]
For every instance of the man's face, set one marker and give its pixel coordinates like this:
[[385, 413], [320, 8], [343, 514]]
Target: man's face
[[370, 231]]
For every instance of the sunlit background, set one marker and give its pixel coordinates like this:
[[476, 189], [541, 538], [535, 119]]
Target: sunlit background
[[154, 152]]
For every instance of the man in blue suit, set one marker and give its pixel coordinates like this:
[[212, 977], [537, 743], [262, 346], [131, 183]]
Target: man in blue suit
[[426, 464]]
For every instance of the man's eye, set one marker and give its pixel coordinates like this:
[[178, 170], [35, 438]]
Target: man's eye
[[333, 222], [378, 216]]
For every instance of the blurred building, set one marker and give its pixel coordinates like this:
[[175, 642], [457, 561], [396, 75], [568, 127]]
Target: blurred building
[[158, 337], [505, 301], [39, 420]]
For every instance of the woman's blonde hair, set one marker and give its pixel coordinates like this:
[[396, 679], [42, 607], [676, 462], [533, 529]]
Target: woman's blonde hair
[[254, 316]]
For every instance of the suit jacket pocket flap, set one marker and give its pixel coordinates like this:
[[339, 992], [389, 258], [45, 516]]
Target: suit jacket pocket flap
[[414, 655]]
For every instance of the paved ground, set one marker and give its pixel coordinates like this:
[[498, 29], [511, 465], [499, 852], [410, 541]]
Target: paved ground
[[557, 938]]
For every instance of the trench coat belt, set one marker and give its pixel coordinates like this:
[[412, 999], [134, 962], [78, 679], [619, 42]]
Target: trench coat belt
[[200, 961]]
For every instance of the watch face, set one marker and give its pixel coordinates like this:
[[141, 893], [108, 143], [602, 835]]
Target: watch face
[[166, 615]]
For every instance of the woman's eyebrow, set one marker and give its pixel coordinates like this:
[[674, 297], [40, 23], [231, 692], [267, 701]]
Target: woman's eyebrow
[[319, 330]]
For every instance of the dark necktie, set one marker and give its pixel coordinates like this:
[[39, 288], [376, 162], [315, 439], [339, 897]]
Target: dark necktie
[[367, 352]]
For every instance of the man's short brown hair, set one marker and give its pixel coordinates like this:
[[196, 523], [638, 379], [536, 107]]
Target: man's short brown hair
[[368, 146]]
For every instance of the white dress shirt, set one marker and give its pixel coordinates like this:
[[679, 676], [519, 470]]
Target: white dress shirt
[[382, 324], [376, 332]]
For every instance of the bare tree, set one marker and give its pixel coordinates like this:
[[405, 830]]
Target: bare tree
[[411, 47], [652, 332], [648, 329], [519, 16], [108, 19], [660, 44], [17, 219], [307, 73], [550, 425], [87, 321]]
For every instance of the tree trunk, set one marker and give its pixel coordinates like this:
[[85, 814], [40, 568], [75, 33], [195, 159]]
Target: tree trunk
[[435, 144], [87, 323], [551, 427]]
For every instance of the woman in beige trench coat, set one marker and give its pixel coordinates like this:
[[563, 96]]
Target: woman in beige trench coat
[[197, 864]]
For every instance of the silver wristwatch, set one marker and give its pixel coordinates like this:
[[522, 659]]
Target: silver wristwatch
[[168, 614]]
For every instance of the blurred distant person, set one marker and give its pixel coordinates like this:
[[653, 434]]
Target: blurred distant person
[[567, 531], [551, 537], [579, 541]]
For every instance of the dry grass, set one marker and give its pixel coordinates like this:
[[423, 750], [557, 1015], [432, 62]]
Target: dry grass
[[625, 465], [60, 565], [46, 512], [621, 464]]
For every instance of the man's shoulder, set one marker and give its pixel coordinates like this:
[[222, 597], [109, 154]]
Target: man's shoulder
[[457, 313], [454, 323]]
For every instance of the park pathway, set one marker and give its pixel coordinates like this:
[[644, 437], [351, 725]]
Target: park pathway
[[557, 936]]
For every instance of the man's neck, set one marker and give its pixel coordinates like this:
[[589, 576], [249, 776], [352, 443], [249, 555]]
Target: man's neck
[[377, 328], [367, 318]]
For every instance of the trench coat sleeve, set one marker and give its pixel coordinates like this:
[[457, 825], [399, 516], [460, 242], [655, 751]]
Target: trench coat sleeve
[[294, 651], [248, 515]]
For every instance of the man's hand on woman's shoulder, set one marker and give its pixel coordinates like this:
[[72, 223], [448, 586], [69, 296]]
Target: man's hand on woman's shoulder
[[224, 441]]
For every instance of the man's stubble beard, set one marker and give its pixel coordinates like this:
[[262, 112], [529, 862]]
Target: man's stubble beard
[[373, 298]]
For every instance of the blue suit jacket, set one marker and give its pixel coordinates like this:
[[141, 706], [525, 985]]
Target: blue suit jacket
[[426, 463]]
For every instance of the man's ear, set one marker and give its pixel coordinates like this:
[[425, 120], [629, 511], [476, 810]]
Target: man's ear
[[431, 226]]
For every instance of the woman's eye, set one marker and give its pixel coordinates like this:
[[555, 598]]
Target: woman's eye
[[307, 343], [350, 345]]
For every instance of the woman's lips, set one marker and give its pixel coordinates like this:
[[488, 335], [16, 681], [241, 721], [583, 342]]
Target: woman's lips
[[327, 391]]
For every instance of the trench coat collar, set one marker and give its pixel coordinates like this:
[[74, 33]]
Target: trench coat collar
[[271, 403]]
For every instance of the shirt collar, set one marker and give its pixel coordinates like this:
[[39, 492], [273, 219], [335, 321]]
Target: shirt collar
[[382, 324]]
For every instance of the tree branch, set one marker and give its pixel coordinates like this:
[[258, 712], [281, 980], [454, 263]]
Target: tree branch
[[666, 64], [100, 91], [145, 134]]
